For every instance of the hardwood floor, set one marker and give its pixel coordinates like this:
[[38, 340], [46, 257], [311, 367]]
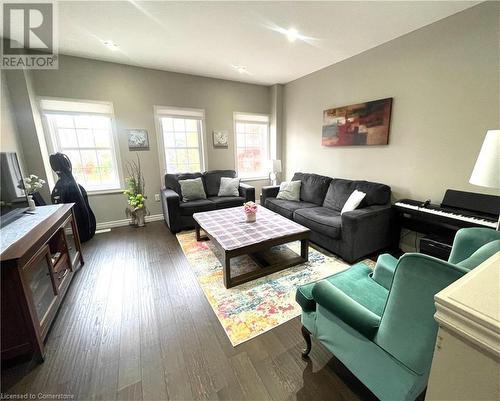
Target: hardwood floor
[[135, 325]]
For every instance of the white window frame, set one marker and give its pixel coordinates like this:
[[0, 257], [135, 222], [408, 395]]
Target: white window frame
[[52, 148], [178, 112], [239, 116]]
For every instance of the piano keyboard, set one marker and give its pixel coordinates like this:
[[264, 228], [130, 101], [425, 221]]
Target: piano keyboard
[[454, 216]]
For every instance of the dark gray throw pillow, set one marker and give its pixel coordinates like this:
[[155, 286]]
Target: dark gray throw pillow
[[338, 193], [313, 187], [192, 189]]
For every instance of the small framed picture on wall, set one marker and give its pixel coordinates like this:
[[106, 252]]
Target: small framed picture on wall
[[138, 139], [221, 139]]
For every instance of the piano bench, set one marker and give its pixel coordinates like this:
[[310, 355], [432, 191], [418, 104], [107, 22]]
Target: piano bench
[[434, 245], [384, 270]]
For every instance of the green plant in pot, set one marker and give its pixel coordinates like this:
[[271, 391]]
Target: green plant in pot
[[136, 209]]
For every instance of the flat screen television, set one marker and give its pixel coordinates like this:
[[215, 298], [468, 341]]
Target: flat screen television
[[13, 199]]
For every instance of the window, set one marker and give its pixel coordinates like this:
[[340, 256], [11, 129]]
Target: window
[[252, 144], [181, 135], [84, 132]]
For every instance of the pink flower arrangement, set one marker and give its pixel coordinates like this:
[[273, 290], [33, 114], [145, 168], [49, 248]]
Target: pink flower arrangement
[[250, 208]]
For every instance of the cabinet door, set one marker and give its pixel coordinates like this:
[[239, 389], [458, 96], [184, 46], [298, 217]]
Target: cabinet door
[[72, 243], [62, 273], [39, 280]]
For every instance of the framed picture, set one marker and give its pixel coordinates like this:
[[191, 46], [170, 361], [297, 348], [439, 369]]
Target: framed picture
[[221, 139], [357, 125], [138, 139]]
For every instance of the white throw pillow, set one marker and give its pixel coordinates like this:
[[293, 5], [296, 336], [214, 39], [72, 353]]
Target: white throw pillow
[[353, 201], [289, 191], [229, 186]]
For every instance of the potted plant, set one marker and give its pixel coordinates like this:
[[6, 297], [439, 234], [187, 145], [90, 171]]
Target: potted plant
[[32, 184], [136, 209]]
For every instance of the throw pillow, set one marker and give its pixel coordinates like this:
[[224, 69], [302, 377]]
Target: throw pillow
[[192, 189], [229, 186], [353, 201], [289, 191]]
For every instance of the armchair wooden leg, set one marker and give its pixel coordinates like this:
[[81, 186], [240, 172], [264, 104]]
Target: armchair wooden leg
[[307, 337]]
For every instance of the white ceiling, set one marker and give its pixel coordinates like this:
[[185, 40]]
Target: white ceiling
[[207, 38]]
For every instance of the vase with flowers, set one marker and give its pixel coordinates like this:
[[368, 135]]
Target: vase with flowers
[[32, 184], [136, 209], [250, 209]]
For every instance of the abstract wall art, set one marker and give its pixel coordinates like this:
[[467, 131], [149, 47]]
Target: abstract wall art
[[359, 124]]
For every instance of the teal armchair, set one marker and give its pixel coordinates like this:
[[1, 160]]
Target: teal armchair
[[379, 323]]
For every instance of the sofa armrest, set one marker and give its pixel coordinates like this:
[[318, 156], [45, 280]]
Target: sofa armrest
[[368, 230], [247, 192], [384, 270], [270, 191], [170, 202], [345, 308]]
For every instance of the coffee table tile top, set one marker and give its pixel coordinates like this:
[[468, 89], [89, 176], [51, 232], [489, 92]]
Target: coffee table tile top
[[231, 231]]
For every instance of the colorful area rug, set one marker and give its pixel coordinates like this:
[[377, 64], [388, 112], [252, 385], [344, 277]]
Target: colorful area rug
[[252, 308]]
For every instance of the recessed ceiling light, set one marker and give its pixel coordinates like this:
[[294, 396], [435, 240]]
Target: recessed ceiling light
[[292, 34], [240, 68], [111, 45]]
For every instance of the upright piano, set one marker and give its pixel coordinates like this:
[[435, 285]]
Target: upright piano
[[457, 210]]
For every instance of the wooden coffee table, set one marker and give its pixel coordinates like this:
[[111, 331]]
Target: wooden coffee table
[[229, 232]]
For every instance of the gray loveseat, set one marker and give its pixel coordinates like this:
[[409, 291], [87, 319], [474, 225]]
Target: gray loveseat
[[353, 235], [179, 215]]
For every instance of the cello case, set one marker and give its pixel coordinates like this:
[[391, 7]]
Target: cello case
[[67, 190]]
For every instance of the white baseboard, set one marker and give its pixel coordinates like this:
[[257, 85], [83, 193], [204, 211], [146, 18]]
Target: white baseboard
[[124, 222]]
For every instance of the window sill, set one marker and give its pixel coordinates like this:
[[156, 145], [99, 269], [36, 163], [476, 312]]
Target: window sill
[[105, 192], [254, 179]]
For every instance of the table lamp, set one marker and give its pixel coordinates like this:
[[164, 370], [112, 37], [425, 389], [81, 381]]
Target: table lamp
[[275, 168], [486, 171]]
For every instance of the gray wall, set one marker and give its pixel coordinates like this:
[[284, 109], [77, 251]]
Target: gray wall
[[444, 79], [29, 126], [10, 138], [133, 92]]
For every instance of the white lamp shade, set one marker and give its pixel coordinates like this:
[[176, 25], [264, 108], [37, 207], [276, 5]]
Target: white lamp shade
[[275, 166], [486, 172]]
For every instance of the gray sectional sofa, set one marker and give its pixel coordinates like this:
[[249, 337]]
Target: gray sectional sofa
[[179, 215], [352, 235]]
